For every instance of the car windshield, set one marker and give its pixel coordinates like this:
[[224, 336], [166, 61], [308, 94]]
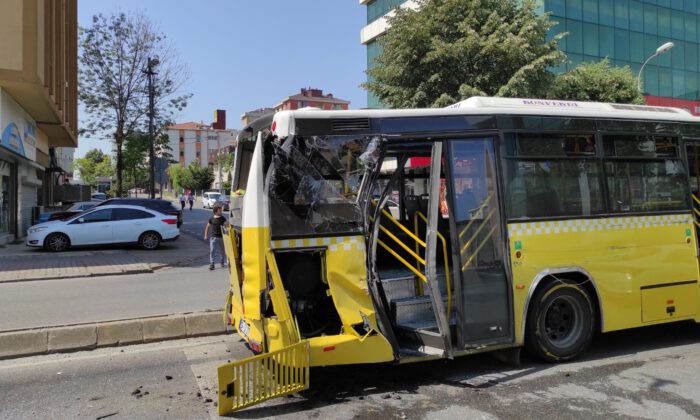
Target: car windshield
[[214, 196]]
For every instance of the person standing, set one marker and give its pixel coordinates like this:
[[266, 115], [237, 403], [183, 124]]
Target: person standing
[[216, 237], [182, 201], [190, 199]]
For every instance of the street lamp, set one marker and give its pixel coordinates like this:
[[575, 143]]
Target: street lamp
[[152, 62], [662, 49]]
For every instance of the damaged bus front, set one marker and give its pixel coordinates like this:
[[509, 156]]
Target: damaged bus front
[[299, 295]]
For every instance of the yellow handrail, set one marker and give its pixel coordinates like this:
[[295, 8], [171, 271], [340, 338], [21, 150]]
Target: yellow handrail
[[400, 226], [478, 209], [697, 200], [402, 260], [402, 245], [483, 223], [446, 261], [469, 261]]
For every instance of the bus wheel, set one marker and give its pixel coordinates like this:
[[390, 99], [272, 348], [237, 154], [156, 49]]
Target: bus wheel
[[560, 322]]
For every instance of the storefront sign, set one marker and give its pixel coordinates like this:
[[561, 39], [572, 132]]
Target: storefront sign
[[17, 128]]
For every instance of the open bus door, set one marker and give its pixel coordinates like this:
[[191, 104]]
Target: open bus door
[[479, 257], [692, 149]]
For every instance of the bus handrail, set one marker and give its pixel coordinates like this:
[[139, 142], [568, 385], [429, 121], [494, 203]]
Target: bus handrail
[[696, 199], [446, 261], [402, 260], [402, 245], [476, 252], [481, 206], [483, 223], [400, 226]]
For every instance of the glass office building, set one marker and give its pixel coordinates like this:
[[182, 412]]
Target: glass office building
[[626, 31]]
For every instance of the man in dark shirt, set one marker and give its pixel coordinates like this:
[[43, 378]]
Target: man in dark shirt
[[216, 239]]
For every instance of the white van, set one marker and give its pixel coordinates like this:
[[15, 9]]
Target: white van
[[209, 198]]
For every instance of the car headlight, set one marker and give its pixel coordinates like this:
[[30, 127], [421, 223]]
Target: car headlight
[[37, 229]]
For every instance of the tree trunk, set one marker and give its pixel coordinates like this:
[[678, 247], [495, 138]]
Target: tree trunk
[[118, 140]]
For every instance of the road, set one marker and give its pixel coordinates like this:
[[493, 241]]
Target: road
[[195, 220], [651, 373], [90, 299]]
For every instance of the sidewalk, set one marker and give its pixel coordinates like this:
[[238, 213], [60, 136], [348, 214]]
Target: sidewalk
[[19, 262]]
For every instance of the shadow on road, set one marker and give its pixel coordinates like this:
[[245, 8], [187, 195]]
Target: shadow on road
[[339, 384]]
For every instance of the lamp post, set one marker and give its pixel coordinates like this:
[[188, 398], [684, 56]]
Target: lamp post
[[152, 62], [662, 49]]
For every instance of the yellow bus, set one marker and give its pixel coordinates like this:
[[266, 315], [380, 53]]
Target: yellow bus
[[377, 236]]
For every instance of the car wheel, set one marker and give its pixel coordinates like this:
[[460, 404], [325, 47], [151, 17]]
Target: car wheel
[[560, 322], [57, 242], [149, 240]]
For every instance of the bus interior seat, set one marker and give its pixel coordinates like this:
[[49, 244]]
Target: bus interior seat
[[544, 202]]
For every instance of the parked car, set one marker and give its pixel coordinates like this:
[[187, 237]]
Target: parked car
[[209, 199], [99, 196], [163, 206], [225, 202], [67, 211], [116, 224]]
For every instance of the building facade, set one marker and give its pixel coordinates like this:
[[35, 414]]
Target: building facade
[[250, 116], [308, 97], [626, 31], [38, 106], [203, 143]]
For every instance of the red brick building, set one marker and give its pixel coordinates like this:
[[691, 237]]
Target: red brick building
[[312, 98]]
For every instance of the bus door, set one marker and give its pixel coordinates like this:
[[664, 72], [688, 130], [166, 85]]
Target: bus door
[[478, 244], [692, 149]]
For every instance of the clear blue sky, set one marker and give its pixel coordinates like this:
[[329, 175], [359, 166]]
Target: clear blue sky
[[244, 55]]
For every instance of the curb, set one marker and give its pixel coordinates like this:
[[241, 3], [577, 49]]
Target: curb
[[79, 276], [70, 338]]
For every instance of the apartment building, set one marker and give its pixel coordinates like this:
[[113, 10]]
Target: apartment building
[[38, 106]]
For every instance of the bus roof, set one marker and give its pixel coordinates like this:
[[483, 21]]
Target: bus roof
[[284, 120]]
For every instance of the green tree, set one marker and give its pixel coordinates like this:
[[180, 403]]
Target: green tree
[[448, 50], [114, 51], [136, 147], [178, 176], [597, 82], [94, 164], [196, 177]]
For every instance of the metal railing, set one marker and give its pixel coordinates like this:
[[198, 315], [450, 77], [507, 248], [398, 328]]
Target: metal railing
[[448, 282]]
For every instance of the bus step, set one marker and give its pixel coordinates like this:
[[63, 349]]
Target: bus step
[[427, 336], [399, 288], [416, 310]]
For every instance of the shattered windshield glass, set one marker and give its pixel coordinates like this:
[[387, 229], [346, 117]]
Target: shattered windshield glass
[[313, 184]]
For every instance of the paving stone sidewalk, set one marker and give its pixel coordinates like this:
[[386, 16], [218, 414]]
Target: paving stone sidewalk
[[44, 267], [21, 263]]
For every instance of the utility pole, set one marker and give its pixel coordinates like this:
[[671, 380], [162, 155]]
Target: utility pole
[[218, 158], [151, 105]]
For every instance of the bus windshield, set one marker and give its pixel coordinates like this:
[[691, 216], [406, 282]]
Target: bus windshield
[[313, 185]]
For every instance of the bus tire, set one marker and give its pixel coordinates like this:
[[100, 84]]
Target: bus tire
[[560, 322]]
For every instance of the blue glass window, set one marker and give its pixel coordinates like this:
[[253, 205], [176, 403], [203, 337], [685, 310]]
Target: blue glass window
[[665, 82], [677, 4], [590, 39], [651, 80], [677, 55], [650, 19], [574, 43], [622, 45], [664, 21], [691, 86], [637, 47], [622, 19], [677, 25], [691, 29], [606, 14], [607, 42], [574, 9], [590, 11], [379, 8], [691, 57], [636, 16], [557, 7], [678, 83]]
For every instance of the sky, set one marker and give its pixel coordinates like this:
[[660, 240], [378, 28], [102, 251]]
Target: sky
[[248, 54]]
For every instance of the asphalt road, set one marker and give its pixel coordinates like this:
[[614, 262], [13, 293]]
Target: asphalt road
[[91, 299], [651, 373], [195, 220]]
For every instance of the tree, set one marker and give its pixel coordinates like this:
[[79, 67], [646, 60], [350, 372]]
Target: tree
[[177, 174], [448, 50], [114, 52], [136, 146], [94, 164], [597, 82], [195, 177]]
